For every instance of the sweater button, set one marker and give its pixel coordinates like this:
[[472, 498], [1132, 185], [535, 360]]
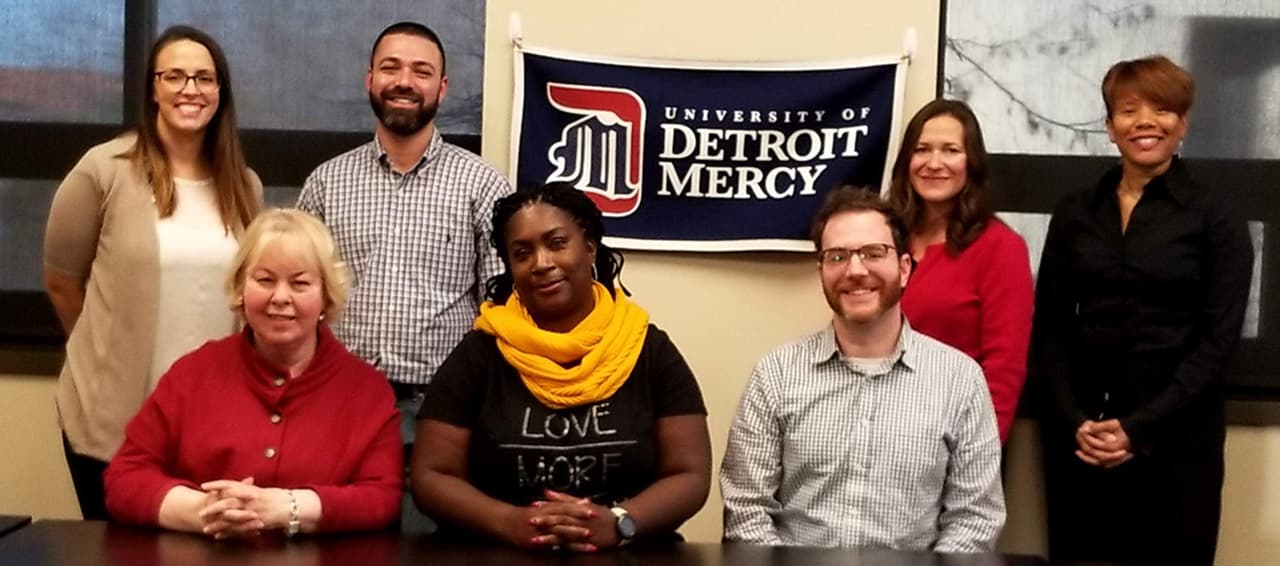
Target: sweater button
[[269, 453], [275, 418]]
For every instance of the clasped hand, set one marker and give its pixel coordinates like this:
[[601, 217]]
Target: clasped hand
[[241, 509], [1104, 444], [563, 521]]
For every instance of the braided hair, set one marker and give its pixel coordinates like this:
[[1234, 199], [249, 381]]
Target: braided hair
[[577, 205]]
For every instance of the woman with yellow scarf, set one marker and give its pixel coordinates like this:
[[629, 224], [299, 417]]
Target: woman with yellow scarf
[[565, 420]]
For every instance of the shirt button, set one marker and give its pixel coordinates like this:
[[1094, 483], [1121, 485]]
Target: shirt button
[[269, 452], [279, 382], [275, 418]]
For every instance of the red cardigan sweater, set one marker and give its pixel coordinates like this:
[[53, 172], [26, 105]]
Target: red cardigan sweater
[[223, 412], [979, 302]]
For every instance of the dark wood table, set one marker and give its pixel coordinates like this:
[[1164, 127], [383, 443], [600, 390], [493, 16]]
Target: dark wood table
[[10, 523], [89, 543]]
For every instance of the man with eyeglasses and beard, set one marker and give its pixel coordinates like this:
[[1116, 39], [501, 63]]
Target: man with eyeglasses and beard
[[411, 216], [866, 433]]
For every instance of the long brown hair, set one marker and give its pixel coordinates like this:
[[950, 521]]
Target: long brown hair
[[237, 203], [972, 208]]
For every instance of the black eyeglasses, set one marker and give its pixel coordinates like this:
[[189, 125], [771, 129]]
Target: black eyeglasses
[[176, 79], [867, 254]]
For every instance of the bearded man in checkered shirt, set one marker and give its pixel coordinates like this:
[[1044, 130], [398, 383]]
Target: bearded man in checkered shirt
[[411, 214]]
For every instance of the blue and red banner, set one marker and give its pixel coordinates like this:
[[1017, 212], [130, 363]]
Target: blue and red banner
[[704, 156]]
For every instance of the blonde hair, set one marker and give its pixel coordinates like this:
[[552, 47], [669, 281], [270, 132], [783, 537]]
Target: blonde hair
[[299, 235]]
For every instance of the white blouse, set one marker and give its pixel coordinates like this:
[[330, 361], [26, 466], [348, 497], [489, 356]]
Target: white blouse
[[195, 255]]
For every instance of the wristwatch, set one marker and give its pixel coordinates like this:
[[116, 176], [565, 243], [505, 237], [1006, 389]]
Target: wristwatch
[[295, 524], [625, 524]]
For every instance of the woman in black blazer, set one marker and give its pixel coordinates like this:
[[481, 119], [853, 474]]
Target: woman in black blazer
[[1140, 298]]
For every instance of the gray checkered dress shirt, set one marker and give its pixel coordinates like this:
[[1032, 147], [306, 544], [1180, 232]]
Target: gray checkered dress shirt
[[417, 245], [904, 457]]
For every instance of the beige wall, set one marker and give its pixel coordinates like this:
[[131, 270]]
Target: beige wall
[[33, 473]]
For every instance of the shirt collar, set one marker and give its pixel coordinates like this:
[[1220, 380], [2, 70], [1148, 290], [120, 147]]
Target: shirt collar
[[1174, 182], [264, 375], [379, 153], [904, 352]]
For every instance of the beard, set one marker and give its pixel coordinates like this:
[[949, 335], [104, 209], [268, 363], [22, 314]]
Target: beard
[[890, 294], [403, 121]]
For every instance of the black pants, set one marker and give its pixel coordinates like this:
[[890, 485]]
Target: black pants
[[86, 475], [1161, 508]]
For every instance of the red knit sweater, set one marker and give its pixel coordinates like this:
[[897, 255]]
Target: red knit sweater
[[979, 302], [211, 417]]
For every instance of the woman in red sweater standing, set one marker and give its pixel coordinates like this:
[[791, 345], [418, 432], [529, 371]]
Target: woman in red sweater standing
[[971, 287], [275, 428]]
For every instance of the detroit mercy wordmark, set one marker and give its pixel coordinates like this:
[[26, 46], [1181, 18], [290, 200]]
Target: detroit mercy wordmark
[[703, 156]]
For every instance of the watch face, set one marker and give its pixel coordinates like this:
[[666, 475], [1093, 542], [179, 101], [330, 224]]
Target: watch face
[[626, 527]]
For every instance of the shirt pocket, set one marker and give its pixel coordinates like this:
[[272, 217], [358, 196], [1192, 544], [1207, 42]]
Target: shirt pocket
[[445, 249]]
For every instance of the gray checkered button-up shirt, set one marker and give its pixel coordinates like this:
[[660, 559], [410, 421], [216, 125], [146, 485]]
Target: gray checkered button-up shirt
[[417, 245], [904, 457]]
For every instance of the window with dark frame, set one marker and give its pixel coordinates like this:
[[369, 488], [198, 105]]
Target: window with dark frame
[[71, 73], [1230, 146]]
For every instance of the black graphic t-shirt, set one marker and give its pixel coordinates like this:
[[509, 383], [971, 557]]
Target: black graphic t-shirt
[[519, 447]]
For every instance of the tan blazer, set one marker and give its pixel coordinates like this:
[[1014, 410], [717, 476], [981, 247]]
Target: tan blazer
[[102, 230]]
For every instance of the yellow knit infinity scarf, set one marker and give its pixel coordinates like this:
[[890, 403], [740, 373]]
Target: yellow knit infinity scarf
[[606, 344]]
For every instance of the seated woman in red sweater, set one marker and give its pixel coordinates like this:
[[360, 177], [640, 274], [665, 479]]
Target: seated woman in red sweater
[[971, 287], [276, 428]]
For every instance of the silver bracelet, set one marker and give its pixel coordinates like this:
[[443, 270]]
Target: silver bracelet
[[295, 523]]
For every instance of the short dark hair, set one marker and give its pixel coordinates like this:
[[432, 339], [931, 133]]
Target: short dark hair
[[415, 29], [972, 208], [577, 205], [1154, 78], [849, 198]]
